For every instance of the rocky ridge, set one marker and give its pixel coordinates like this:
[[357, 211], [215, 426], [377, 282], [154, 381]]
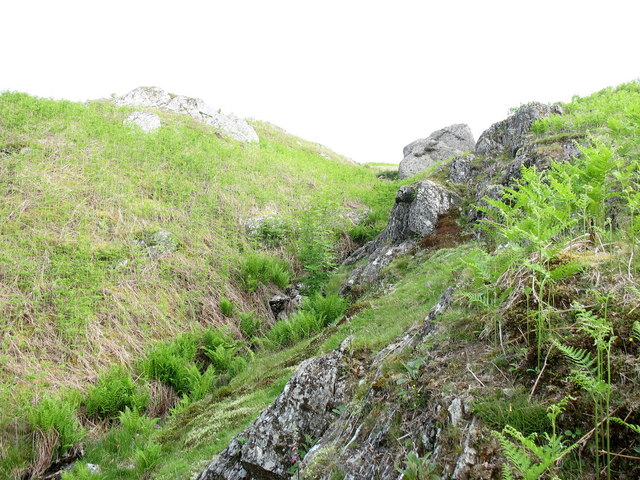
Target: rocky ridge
[[154, 97]]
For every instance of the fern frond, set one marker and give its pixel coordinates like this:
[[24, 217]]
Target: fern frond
[[578, 356], [635, 428], [635, 330]]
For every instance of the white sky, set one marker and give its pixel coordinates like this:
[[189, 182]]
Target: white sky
[[362, 77]]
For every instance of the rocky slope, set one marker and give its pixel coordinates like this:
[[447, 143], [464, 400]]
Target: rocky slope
[[411, 410]]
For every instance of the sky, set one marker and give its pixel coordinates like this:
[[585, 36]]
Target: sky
[[364, 78]]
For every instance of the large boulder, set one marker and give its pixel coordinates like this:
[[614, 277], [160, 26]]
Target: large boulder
[[197, 108], [414, 215], [306, 407], [440, 145], [508, 135]]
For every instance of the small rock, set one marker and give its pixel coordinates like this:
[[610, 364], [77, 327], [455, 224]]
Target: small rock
[[456, 411], [159, 243], [148, 122]]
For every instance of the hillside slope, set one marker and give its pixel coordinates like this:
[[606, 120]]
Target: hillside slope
[[490, 330], [112, 239], [527, 364]]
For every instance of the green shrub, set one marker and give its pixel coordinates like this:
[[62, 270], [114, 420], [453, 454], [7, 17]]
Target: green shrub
[[363, 233], [330, 308], [56, 413], [249, 325], [132, 433], [222, 357], [256, 268], [226, 307], [212, 338], [169, 363], [147, 458], [114, 391], [298, 326], [273, 231], [200, 383]]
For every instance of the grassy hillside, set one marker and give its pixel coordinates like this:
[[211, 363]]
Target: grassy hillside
[[85, 279], [547, 301]]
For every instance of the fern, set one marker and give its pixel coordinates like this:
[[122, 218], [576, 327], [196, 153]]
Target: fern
[[635, 330], [578, 356], [526, 457]]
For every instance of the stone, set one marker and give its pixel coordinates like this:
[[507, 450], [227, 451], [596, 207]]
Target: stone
[[159, 243], [508, 135], [154, 97], [414, 215], [284, 305], [148, 122], [440, 145], [460, 168], [540, 155], [307, 405]]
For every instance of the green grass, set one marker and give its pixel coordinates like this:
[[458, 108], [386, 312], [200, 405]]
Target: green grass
[[78, 192]]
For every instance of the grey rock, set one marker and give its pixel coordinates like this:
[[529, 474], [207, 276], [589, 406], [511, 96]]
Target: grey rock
[[284, 305], [456, 411], [438, 146], [148, 122], [196, 108], [159, 243], [362, 446], [414, 215], [264, 450], [460, 169], [508, 135], [540, 155]]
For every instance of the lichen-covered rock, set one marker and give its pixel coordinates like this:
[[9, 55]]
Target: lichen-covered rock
[[370, 439], [283, 305], [440, 145], [148, 122], [196, 108], [508, 135], [159, 243], [414, 215], [306, 406], [460, 168], [540, 155]]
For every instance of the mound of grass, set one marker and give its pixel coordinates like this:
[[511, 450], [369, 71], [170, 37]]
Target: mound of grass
[[257, 268], [114, 392]]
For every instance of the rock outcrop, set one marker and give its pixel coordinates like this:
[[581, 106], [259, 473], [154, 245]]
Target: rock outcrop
[[196, 108], [363, 442], [440, 145], [307, 405], [512, 133], [414, 215], [148, 122]]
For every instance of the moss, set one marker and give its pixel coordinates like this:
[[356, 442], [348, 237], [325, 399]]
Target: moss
[[326, 460]]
